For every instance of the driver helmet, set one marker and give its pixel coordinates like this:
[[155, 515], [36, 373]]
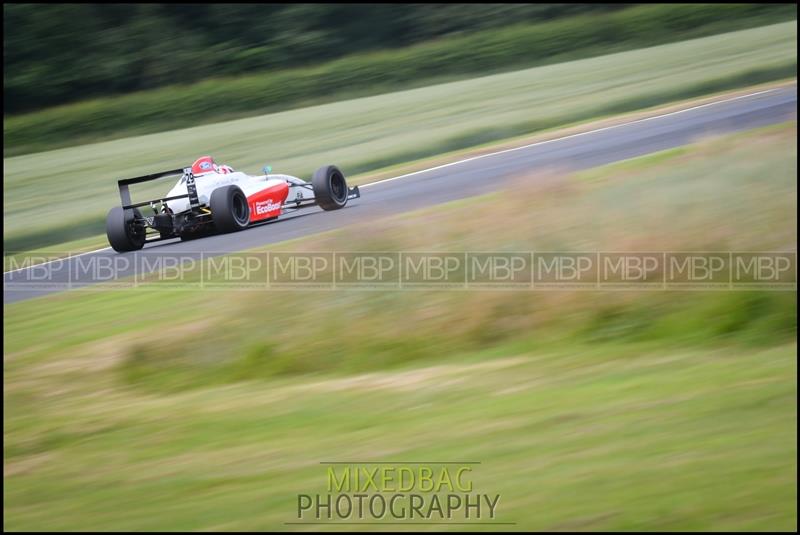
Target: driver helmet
[[203, 165]]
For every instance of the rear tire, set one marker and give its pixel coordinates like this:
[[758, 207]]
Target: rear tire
[[122, 234], [229, 209], [330, 188]]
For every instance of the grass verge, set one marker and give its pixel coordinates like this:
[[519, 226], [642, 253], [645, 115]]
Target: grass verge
[[609, 439]]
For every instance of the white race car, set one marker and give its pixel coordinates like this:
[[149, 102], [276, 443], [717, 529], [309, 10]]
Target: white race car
[[209, 198]]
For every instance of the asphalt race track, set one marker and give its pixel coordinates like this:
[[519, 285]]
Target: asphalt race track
[[466, 178]]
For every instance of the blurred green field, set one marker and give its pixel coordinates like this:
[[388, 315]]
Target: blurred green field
[[609, 439], [261, 88], [370, 133], [588, 410]]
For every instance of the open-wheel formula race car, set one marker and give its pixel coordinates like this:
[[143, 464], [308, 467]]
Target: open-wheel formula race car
[[210, 199]]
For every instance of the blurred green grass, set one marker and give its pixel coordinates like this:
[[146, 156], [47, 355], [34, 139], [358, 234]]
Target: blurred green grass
[[370, 133], [600, 439], [588, 410]]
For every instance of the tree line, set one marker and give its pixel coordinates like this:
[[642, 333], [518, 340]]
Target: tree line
[[59, 53]]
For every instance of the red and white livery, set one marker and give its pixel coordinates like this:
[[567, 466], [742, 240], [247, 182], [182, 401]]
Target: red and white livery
[[211, 198]]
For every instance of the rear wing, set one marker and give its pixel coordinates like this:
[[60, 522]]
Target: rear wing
[[125, 194]]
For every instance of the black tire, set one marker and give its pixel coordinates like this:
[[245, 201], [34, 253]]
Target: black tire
[[330, 188], [229, 209], [122, 234]]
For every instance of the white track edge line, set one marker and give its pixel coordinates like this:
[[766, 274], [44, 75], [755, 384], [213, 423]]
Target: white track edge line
[[571, 136]]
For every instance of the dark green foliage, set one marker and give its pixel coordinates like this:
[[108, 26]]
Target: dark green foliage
[[200, 52], [59, 53]]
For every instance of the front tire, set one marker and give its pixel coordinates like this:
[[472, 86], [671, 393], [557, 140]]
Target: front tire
[[123, 234], [229, 209], [330, 188]]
